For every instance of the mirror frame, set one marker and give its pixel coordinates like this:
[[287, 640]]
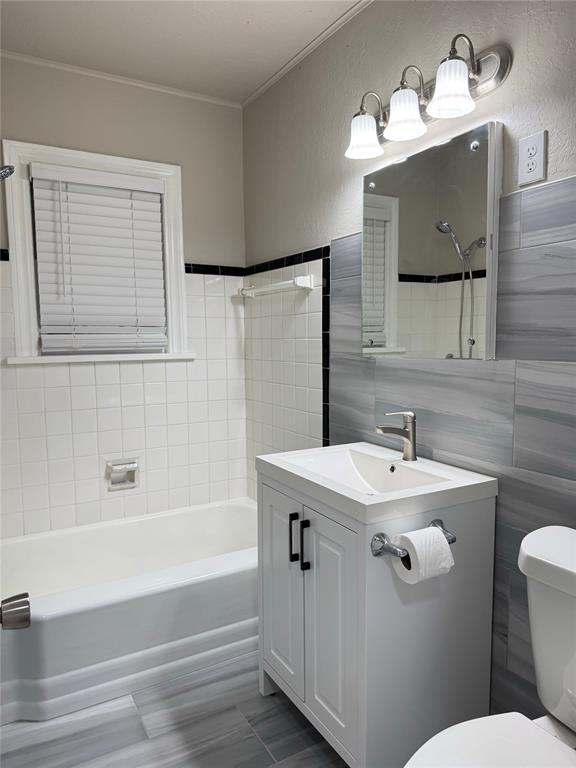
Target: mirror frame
[[494, 193]]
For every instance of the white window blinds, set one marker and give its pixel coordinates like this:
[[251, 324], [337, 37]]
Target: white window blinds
[[100, 261], [374, 278]]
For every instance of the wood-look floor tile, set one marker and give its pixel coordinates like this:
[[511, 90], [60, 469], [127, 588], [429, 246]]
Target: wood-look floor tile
[[280, 725], [239, 749], [180, 703], [319, 756], [67, 741]]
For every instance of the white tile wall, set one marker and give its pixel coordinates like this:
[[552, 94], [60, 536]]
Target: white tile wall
[[186, 423], [428, 316], [283, 367]]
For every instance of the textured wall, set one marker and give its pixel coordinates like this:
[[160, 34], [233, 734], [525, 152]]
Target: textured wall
[[509, 418], [62, 109], [300, 190]]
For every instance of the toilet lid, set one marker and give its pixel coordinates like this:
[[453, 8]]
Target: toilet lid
[[499, 741]]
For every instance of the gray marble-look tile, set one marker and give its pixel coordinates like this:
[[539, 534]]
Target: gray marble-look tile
[[346, 257], [527, 501], [478, 389], [511, 693], [461, 406], [346, 316], [351, 398], [319, 756], [239, 749], [509, 229], [180, 703], [519, 657], [500, 611], [549, 213], [68, 741], [545, 418], [536, 316], [436, 431]]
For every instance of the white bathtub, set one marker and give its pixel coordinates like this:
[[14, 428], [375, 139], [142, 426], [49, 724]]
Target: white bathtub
[[122, 605]]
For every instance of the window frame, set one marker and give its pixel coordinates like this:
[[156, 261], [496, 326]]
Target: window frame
[[20, 222]]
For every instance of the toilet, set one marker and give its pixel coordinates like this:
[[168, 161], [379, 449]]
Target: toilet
[[548, 560]]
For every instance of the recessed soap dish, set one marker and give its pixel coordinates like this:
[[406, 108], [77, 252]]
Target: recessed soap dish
[[122, 474]]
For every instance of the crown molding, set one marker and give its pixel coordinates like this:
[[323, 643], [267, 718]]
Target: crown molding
[[330, 30], [25, 59]]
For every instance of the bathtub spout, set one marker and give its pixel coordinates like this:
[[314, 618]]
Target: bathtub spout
[[15, 612]]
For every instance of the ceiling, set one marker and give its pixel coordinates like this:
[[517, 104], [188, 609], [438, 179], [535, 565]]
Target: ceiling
[[224, 49]]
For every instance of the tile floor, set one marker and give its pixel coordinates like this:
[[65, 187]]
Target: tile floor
[[219, 722]]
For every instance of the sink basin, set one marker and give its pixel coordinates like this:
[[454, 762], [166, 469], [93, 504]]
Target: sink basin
[[368, 482], [363, 471]]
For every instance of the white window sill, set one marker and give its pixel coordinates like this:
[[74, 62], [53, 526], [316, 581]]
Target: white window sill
[[121, 357]]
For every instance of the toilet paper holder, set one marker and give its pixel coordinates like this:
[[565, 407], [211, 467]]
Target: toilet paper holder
[[381, 544]]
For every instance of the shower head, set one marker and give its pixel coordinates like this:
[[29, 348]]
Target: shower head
[[6, 171], [444, 227]]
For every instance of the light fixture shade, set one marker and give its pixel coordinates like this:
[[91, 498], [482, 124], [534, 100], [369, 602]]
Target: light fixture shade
[[405, 121], [452, 92], [363, 138]]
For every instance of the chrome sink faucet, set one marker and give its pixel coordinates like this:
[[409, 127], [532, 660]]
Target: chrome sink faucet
[[407, 432]]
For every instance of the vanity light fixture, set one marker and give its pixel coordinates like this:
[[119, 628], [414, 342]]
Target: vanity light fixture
[[457, 87], [365, 131], [405, 121], [452, 91]]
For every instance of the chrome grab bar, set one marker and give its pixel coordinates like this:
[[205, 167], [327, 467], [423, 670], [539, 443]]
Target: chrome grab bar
[[15, 611], [382, 545]]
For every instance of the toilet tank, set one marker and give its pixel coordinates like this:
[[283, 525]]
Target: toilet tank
[[548, 559]]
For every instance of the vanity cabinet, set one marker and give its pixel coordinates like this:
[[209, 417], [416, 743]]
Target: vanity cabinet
[[377, 665], [309, 618]]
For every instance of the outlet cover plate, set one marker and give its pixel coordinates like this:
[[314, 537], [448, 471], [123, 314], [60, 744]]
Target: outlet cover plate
[[532, 158]]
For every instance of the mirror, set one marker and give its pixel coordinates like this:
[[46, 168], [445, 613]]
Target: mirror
[[429, 238]]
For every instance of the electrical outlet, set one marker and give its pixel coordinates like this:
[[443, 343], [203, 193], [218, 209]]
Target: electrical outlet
[[532, 157]]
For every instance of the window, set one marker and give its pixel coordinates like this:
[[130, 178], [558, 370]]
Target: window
[[96, 252], [380, 272]]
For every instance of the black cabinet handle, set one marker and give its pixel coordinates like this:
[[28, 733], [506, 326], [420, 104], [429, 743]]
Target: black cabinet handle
[[293, 556], [304, 565]]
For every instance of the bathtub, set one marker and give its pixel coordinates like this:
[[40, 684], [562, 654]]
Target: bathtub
[[122, 605]]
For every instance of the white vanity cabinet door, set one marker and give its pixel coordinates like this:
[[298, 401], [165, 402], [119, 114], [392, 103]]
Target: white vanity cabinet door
[[283, 589], [331, 626]]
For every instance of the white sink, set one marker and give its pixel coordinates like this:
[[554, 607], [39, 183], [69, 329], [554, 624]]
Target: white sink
[[363, 471], [368, 482]]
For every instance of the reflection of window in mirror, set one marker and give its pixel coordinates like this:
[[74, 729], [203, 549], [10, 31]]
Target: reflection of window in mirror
[[380, 271], [429, 260]]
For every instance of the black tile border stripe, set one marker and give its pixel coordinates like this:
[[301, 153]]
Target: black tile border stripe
[[449, 277], [290, 261], [222, 269], [326, 346], [214, 269], [287, 261], [264, 266]]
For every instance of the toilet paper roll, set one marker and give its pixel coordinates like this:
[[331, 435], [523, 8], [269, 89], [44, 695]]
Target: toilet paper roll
[[429, 554]]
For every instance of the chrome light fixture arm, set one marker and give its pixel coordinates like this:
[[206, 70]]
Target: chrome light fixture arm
[[404, 82], [381, 118], [473, 67]]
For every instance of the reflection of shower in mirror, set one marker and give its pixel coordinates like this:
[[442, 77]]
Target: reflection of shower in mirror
[[464, 256], [429, 235]]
